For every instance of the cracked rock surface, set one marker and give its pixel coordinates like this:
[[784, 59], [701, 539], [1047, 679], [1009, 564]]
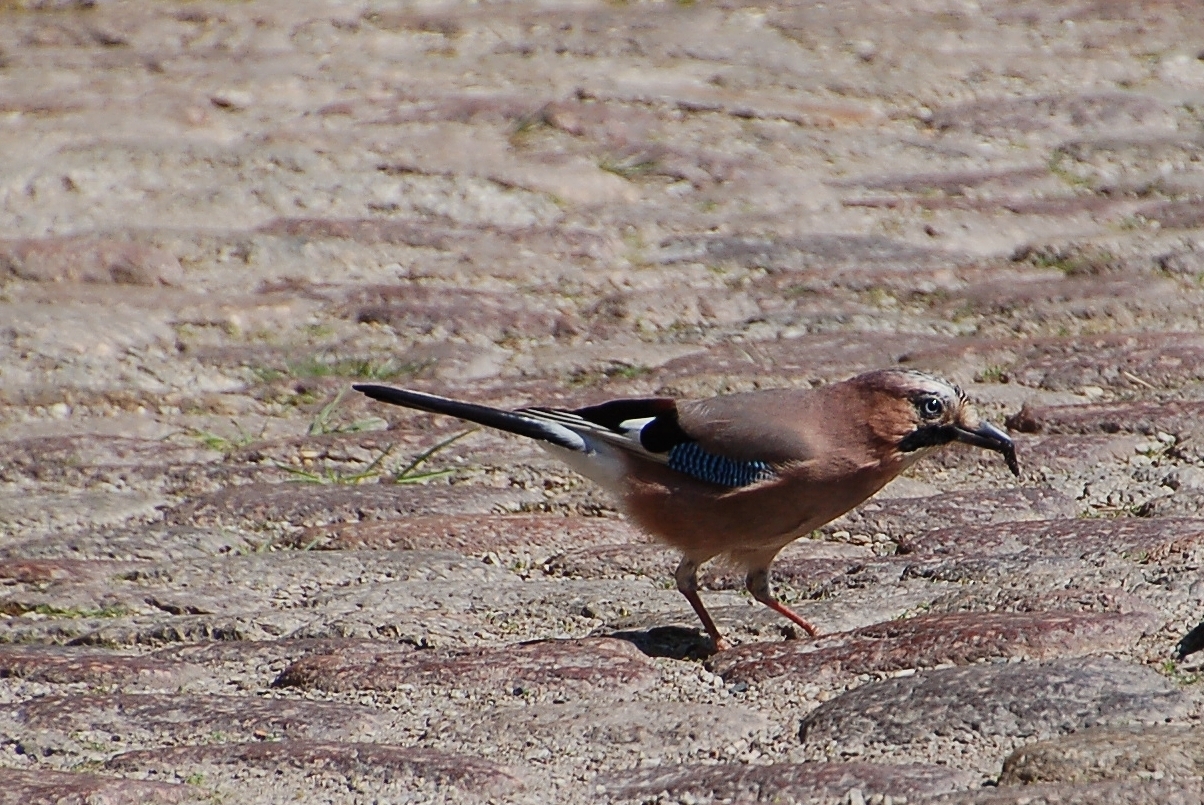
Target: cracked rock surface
[[223, 578]]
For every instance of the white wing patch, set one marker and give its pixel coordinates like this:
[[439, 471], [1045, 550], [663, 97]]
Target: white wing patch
[[632, 427], [566, 435], [594, 436]]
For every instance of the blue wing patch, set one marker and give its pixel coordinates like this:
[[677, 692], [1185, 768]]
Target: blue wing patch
[[689, 458]]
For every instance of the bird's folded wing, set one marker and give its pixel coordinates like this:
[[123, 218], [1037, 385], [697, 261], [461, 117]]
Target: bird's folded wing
[[633, 425], [781, 426], [704, 448]]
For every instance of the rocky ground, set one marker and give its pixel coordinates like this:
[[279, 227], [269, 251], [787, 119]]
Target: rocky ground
[[223, 581]]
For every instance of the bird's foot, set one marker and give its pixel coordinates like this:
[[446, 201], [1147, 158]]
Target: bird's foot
[[780, 608]]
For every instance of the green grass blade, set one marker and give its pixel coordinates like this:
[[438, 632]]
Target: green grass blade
[[404, 475], [423, 477]]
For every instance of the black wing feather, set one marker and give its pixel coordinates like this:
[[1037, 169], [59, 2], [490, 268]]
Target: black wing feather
[[660, 435], [480, 414]]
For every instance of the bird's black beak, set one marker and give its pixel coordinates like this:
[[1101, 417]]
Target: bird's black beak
[[992, 438], [983, 435]]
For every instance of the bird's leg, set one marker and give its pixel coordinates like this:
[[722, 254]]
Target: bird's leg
[[686, 576], [757, 582]]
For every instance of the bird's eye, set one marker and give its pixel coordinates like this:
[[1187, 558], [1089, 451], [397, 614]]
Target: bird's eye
[[931, 407]]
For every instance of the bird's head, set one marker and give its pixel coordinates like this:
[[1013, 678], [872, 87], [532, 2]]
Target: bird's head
[[924, 411]]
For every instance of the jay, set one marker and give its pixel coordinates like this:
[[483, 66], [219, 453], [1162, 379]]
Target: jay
[[743, 475]]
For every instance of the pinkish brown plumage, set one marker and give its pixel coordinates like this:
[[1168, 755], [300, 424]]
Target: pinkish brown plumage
[[744, 475]]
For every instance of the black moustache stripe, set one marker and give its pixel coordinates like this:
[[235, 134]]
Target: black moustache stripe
[[930, 436]]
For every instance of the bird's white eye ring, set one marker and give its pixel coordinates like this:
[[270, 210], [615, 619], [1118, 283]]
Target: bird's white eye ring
[[931, 407]]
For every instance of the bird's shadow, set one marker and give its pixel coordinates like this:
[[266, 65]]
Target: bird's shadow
[[674, 642]]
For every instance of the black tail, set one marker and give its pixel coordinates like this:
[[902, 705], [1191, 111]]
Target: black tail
[[480, 414]]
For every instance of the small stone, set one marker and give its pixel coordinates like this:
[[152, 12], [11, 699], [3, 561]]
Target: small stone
[[233, 99], [865, 50]]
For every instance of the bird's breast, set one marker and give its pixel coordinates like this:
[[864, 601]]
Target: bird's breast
[[705, 519]]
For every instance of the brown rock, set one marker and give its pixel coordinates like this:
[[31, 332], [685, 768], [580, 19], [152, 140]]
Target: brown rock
[[597, 728], [581, 666], [461, 107], [1047, 207], [248, 652], [1166, 751], [949, 182], [470, 533], [1006, 700], [820, 783], [827, 578], [61, 665], [367, 230], [759, 105], [902, 517], [614, 124], [999, 116], [1056, 454], [68, 788], [90, 458], [44, 571], [1090, 286], [823, 357], [457, 150], [1146, 418], [614, 561], [315, 504], [1128, 361], [376, 762], [1175, 214], [88, 259], [455, 311], [157, 716], [1084, 538], [1132, 165], [563, 241], [826, 253], [930, 640], [1186, 792]]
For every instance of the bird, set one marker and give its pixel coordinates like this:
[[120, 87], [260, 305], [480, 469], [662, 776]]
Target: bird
[[1192, 642], [743, 475]]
